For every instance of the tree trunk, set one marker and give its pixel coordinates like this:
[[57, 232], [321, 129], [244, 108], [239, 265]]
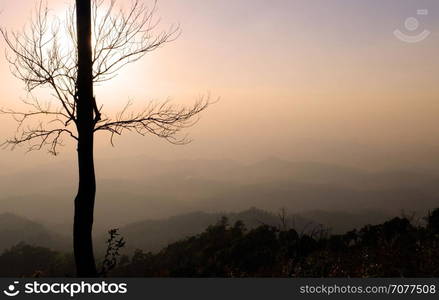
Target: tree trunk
[[84, 202], [84, 208]]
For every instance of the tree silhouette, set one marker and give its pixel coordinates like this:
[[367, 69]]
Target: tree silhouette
[[102, 41]]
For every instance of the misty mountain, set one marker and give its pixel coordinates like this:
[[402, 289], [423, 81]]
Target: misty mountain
[[138, 188], [153, 235], [15, 229]]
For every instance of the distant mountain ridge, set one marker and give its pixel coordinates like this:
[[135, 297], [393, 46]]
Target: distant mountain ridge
[[138, 188], [153, 235], [14, 229]]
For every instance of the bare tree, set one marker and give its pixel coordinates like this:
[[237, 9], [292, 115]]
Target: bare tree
[[101, 41]]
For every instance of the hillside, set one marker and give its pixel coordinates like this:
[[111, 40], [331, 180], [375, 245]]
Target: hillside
[[14, 229], [153, 235], [397, 247]]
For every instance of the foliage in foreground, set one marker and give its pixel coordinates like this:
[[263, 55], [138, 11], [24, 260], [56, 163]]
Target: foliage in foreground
[[392, 249]]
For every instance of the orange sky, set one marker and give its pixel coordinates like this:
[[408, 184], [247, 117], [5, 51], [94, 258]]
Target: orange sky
[[303, 80]]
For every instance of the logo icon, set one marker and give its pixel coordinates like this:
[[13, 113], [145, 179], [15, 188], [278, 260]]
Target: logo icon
[[11, 291], [411, 25]]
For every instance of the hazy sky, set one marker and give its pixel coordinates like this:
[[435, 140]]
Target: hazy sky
[[320, 80]]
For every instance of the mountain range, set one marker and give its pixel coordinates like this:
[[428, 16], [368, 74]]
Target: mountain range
[[153, 235], [137, 188]]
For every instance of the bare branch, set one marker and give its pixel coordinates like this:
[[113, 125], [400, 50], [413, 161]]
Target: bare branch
[[41, 56], [46, 133], [39, 137], [122, 37], [163, 120], [36, 57]]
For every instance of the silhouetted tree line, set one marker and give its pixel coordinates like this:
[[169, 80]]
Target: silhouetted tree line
[[397, 248]]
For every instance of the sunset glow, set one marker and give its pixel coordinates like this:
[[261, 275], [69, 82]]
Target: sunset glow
[[318, 68], [194, 138]]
